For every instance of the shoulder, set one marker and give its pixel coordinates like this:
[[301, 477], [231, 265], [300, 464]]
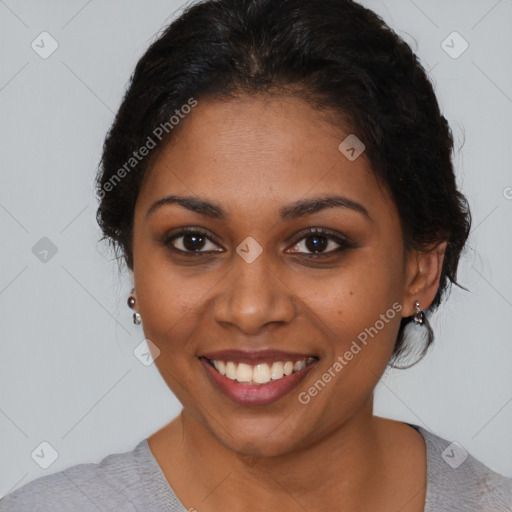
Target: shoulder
[[458, 481], [118, 482]]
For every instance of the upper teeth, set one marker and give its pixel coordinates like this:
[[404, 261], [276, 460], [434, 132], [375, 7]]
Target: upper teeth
[[259, 373]]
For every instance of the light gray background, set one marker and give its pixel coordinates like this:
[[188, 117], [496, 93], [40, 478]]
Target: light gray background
[[68, 375]]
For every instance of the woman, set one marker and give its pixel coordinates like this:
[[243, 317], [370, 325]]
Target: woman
[[279, 180]]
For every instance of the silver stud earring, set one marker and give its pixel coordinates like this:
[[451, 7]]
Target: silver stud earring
[[419, 316], [137, 319]]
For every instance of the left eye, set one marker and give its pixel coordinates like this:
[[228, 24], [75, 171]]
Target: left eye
[[318, 243]]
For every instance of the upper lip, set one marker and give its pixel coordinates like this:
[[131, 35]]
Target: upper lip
[[256, 356]]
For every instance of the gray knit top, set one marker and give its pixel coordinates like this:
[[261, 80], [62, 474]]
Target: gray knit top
[[133, 482]]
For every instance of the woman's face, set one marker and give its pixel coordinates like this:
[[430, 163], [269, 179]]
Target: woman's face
[[250, 287]]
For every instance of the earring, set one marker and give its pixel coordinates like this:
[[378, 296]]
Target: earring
[[419, 316], [137, 319]]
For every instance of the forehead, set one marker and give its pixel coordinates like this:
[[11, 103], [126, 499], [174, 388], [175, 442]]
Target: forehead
[[250, 152]]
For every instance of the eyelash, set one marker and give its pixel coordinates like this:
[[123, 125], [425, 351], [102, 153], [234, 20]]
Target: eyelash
[[303, 235]]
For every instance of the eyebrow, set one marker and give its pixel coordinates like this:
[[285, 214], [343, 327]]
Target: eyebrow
[[292, 211], [309, 206]]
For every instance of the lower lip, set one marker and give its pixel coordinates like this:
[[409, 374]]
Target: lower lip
[[255, 394]]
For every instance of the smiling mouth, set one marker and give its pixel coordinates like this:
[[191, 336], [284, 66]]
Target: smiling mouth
[[261, 373]]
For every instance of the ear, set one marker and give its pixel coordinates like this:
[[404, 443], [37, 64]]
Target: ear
[[423, 274]]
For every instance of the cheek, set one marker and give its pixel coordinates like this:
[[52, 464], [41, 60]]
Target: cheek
[[359, 304], [175, 305], [172, 305]]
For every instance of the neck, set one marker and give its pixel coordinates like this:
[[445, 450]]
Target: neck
[[207, 475]]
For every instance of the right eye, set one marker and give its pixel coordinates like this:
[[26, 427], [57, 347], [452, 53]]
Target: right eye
[[191, 241]]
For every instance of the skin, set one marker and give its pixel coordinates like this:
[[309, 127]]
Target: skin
[[252, 156]]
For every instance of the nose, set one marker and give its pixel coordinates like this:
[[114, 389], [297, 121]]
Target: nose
[[252, 296]]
